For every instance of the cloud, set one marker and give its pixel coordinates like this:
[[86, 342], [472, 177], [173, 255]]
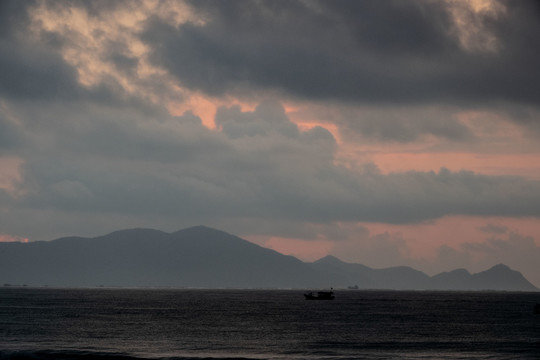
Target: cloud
[[92, 159], [84, 109], [392, 53], [402, 124], [268, 117], [405, 71], [33, 71], [9, 131], [494, 229], [426, 250], [375, 250], [512, 248]]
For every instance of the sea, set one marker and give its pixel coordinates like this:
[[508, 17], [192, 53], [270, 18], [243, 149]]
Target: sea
[[130, 324]]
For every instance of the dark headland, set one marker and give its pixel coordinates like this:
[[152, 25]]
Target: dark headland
[[202, 257]]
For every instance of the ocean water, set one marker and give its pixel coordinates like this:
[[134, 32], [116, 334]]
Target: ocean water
[[124, 324]]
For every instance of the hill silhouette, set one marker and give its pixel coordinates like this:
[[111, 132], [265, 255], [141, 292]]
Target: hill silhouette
[[203, 257]]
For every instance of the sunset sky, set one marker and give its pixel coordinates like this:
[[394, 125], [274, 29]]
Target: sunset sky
[[382, 132]]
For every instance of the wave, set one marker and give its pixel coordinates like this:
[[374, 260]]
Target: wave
[[90, 355]]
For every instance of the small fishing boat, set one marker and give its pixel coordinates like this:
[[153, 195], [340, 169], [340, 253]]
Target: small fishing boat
[[321, 295]]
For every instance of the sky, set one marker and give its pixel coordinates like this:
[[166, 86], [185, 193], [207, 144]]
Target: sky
[[381, 132]]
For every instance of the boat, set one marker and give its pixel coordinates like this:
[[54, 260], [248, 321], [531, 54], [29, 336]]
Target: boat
[[321, 295]]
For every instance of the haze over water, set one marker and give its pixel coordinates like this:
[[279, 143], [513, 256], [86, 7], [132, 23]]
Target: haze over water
[[42, 323]]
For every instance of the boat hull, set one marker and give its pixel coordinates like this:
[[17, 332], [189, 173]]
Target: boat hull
[[321, 295]]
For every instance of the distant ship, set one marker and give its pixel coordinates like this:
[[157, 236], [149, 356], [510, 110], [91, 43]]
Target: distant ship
[[321, 295]]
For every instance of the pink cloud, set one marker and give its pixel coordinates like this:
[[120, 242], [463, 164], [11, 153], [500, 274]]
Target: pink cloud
[[306, 250], [10, 173], [490, 164], [11, 238], [424, 239], [474, 243]]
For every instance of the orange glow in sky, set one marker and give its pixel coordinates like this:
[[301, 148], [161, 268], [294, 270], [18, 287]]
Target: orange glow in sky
[[307, 250], [9, 238], [10, 173]]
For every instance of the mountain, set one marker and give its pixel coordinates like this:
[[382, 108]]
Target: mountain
[[364, 277], [203, 257], [499, 277], [194, 257]]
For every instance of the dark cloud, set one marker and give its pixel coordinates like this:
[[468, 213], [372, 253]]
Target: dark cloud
[[33, 68], [402, 124], [110, 162], [103, 157], [29, 68], [99, 160], [33, 72], [124, 63], [389, 52], [409, 29], [267, 117], [13, 17], [10, 136], [494, 229], [415, 196]]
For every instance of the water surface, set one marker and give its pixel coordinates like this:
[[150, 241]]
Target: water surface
[[44, 323]]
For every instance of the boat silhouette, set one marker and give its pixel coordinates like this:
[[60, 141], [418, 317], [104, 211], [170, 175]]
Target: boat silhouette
[[321, 295]]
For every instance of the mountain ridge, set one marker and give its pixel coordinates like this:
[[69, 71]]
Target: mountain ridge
[[205, 257]]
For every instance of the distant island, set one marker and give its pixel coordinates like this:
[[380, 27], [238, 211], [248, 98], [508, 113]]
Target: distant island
[[202, 257]]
